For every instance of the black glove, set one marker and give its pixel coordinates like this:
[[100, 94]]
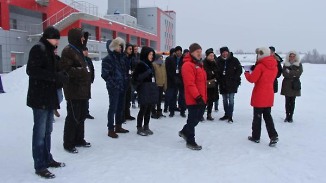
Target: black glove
[[61, 77], [200, 100], [252, 67]]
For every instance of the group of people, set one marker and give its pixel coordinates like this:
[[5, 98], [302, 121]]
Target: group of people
[[189, 82]]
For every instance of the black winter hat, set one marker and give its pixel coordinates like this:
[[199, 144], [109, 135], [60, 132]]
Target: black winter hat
[[172, 50], [193, 47], [185, 51], [74, 37], [223, 49], [178, 48], [272, 48], [51, 33], [209, 51]]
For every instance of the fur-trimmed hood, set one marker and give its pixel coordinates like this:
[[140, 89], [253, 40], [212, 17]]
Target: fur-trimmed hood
[[115, 43], [262, 53], [297, 59]]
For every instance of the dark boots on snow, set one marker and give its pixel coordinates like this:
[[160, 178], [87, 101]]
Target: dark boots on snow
[[253, 140], [112, 134], [209, 117], [45, 174], [119, 129]]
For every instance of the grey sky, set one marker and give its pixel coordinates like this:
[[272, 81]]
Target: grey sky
[[246, 24]]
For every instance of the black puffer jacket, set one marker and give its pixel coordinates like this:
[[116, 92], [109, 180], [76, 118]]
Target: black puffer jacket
[[173, 71], [229, 72], [74, 63], [212, 74], [41, 69]]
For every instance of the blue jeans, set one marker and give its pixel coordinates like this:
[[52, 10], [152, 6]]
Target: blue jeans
[[228, 103], [116, 108], [41, 142], [195, 113]]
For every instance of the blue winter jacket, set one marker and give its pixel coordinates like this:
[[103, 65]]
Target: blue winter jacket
[[114, 70]]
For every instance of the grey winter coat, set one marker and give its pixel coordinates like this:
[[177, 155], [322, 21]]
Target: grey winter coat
[[291, 71]]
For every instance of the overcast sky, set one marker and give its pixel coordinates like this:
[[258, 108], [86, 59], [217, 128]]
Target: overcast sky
[[246, 24]]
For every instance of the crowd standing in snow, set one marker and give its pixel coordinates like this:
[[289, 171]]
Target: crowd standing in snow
[[188, 82]]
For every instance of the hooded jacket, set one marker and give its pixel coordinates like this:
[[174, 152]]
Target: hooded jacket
[[263, 77], [194, 79], [75, 64], [212, 74], [291, 71], [114, 70]]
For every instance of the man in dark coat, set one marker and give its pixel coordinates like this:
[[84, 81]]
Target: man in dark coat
[[92, 69], [77, 91], [169, 92], [279, 67], [114, 74], [229, 73], [42, 98], [211, 69], [175, 83], [130, 64]]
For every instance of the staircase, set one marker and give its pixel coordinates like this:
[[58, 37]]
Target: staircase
[[74, 11]]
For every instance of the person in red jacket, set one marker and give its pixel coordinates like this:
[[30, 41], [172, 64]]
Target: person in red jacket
[[262, 98], [194, 79]]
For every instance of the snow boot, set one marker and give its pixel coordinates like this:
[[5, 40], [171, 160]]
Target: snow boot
[[273, 141], [147, 130], [84, 144], [253, 140], [160, 114], [290, 119], [209, 117], [230, 120], [112, 134], [55, 164], [72, 150], [45, 174], [225, 117], [141, 132], [194, 146], [119, 129], [202, 119]]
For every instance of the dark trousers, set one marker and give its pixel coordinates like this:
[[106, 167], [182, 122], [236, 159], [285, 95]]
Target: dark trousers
[[117, 101], [74, 125], [171, 97], [41, 142], [157, 107], [144, 114], [256, 124], [181, 99], [210, 107], [127, 104], [289, 105], [195, 112]]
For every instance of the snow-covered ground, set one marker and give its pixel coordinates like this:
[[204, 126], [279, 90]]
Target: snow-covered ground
[[227, 155]]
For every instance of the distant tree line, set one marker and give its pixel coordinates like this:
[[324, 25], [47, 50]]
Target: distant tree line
[[314, 57]]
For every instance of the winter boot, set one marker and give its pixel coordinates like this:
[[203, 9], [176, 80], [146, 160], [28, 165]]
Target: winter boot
[[194, 146], [72, 150], [119, 129], [287, 117], [202, 119], [290, 119], [230, 120], [273, 141], [55, 164], [183, 114], [160, 114], [45, 174], [253, 140], [112, 134], [141, 131], [148, 131], [209, 117], [225, 117]]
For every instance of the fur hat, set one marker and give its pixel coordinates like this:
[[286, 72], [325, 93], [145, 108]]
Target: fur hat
[[223, 49], [263, 52], [287, 59], [51, 33], [116, 43], [193, 47], [209, 51], [178, 48]]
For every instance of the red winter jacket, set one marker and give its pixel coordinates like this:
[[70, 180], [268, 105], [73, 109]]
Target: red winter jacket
[[263, 76], [194, 79]]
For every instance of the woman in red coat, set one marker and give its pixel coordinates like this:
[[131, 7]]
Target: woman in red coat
[[194, 79], [262, 98]]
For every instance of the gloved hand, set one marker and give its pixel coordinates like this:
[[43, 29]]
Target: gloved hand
[[200, 100], [61, 77]]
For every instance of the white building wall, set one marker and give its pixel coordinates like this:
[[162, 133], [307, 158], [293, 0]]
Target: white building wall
[[168, 32]]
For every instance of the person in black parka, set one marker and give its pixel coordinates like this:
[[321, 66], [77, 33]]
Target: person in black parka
[[42, 98], [144, 73], [211, 69], [229, 73]]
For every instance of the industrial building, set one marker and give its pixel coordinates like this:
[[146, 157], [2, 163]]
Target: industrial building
[[23, 21]]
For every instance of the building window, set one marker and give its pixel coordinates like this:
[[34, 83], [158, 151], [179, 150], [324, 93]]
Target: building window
[[13, 24]]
